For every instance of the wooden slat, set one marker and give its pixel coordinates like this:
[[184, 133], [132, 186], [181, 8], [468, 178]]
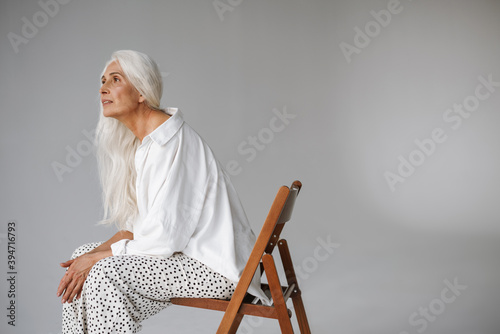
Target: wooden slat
[[236, 324], [221, 305], [277, 293], [298, 305]]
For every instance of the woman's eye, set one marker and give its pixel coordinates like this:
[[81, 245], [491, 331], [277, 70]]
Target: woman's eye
[[116, 79]]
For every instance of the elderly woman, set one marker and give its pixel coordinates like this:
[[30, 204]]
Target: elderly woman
[[182, 229]]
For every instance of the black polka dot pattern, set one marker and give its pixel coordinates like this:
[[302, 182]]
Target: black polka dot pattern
[[122, 291]]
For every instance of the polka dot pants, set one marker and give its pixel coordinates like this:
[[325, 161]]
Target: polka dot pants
[[122, 291]]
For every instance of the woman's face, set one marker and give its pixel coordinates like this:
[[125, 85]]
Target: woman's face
[[118, 97]]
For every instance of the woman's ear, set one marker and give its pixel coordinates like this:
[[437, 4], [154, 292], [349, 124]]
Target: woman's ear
[[141, 98]]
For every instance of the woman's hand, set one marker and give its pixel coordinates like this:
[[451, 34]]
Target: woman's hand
[[78, 269]]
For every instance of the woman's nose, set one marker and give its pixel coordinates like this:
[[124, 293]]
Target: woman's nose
[[104, 89]]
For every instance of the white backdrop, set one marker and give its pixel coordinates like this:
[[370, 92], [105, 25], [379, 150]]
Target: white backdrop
[[387, 111]]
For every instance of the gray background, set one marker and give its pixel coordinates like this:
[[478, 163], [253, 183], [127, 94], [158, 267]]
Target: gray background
[[353, 119]]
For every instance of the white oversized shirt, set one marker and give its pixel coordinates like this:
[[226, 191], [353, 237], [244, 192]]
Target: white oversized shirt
[[188, 204]]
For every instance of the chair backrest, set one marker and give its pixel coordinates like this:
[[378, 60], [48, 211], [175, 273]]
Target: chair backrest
[[278, 215], [285, 210]]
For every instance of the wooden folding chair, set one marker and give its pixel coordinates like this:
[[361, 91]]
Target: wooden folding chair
[[261, 257]]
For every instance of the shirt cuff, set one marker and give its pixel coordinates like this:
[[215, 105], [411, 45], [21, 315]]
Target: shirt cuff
[[129, 226], [119, 247]]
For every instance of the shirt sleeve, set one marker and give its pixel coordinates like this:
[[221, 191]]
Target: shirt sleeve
[[173, 215], [118, 248]]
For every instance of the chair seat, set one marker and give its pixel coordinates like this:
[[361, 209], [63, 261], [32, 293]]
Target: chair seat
[[221, 305], [248, 306]]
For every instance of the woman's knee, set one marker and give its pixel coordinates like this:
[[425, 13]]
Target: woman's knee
[[104, 272], [84, 249], [105, 268]]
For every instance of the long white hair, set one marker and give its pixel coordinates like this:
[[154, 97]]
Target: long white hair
[[116, 144]]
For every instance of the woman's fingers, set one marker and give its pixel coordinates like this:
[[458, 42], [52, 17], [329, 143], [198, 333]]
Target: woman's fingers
[[64, 283], [69, 291], [72, 282], [67, 278], [77, 290], [80, 287], [74, 288], [67, 263]]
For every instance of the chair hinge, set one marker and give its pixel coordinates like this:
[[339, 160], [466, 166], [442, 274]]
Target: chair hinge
[[295, 292]]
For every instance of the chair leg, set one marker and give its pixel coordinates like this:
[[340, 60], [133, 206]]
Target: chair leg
[[277, 294], [236, 324], [231, 315], [300, 312], [298, 305]]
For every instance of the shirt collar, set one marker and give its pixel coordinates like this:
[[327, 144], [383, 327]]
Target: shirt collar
[[167, 129]]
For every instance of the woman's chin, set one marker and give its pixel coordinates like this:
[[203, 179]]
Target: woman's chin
[[107, 112]]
